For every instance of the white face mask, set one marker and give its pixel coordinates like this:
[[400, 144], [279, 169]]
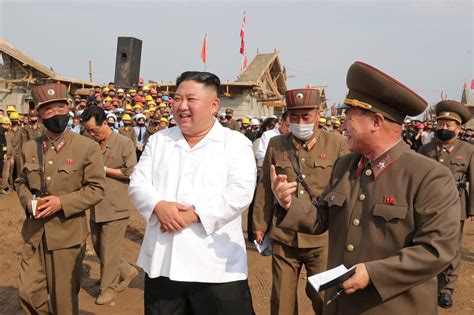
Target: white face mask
[[303, 131]]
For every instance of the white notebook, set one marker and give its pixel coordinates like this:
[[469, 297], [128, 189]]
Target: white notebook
[[324, 280], [264, 249]]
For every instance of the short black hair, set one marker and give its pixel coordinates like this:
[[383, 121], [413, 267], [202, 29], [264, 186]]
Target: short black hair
[[94, 111], [285, 115], [206, 78]]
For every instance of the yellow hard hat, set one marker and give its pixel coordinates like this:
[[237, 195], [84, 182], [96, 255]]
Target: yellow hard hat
[[151, 103], [148, 98], [151, 109], [322, 120], [245, 121], [132, 91], [146, 111], [128, 107], [137, 106], [108, 99], [106, 89], [164, 119], [162, 105], [5, 120], [126, 117], [11, 108], [14, 116]]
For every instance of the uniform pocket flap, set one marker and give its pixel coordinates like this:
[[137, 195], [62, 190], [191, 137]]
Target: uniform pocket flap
[[283, 164], [335, 199], [389, 212], [458, 162], [31, 166], [323, 163], [67, 168]]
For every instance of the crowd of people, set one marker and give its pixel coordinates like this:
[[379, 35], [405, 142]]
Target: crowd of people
[[116, 150]]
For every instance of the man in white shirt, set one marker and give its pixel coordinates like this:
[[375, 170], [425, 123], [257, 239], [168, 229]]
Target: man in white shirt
[[191, 185], [267, 135]]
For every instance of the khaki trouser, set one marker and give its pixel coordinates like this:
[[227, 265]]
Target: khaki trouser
[[56, 273], [6, 169], [106, 239], [447, 279], [287, 262]]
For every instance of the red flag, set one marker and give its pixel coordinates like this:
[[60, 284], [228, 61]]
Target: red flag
[[472, 85], [204, 49], [244, 63], [242, 37]]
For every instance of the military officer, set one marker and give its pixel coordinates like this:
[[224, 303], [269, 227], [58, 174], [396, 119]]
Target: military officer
[[33, 129], [109, 218], [6, 155], [314, 152], [15, 132], [127, 129], [391, 213], [66, 173], [154, 126], [232, 124], [458, 156]]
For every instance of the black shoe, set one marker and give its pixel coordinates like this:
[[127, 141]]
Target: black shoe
[[445, 300]]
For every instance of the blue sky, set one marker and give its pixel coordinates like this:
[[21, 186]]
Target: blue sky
[[428, 45]]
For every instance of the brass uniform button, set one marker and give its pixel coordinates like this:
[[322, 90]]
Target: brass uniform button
[[441, 160], [368, 172], [303, 160], [356, 222], [50, 162], [48, 178], [304, 176], [362, 197], [350, 248], [53, 148], [301, 192]]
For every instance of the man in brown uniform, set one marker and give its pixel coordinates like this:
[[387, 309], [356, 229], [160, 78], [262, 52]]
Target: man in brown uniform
[[458, 156], [109, 218], [66, 171], [314, 152], [392, 213], [33, 129], [231, 124], [7, 166], [127, 129], [15, 132]]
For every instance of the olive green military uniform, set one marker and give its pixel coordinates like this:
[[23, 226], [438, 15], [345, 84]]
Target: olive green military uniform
[[292, 250], [16, 149], [233, 124], [8, 165], [398, 213], [458, 156], [129, 132], [51, 262], [151, 130], [109, 218], [30, 132]]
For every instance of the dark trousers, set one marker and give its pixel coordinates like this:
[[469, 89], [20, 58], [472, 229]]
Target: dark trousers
[[166, 297]]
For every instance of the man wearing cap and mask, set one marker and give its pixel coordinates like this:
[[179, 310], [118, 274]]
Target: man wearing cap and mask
[[307, 153], [458, 156], [33, 129], [65, 173], [392, 214], [231, 124], [127, 129]]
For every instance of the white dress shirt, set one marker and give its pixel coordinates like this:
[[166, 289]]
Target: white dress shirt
[[264, 140], [218, 177]]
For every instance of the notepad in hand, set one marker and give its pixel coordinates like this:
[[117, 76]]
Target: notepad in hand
[[327, 279], [264, 249]]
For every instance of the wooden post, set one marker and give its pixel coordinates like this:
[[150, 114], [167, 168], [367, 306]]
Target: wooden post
[[90, 70]]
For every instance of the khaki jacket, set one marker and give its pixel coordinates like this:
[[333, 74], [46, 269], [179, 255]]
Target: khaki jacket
[[233, 125], [119, 152], [400, 216], [29, 133], [129, 132], [459, 158], [74, 172], [16, 141], [315, 164]]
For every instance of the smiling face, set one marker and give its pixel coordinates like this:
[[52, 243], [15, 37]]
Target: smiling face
[[194, 107], [358, 129]]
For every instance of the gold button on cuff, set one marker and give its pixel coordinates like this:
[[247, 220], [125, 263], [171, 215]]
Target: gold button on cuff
[[356, 222], [362, 197], [301, 192], [350, 248], [50, 162], [48, 178], [368, 172]]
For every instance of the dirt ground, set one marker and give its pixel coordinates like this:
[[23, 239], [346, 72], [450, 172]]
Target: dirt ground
[[130, 301]]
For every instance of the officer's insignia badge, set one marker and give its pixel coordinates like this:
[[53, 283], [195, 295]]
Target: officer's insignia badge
[[389, 200], [382, 165], [69, 161], [322, 156], [459, 157], [51, 92], [299, 96]]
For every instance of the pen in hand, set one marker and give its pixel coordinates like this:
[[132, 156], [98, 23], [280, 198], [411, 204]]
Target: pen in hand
[[334, 297]]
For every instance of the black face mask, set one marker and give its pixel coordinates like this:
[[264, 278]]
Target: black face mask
[[15, 123], [141, 124], [57, 123], [33, 121], [111, 124], [228, 117], [445, 134]]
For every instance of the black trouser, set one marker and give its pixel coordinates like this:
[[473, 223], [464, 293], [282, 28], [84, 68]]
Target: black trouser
[[166, 297]]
